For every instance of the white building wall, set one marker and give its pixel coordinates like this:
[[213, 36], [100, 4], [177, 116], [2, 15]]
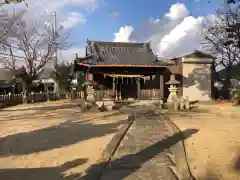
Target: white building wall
[[197, 78]]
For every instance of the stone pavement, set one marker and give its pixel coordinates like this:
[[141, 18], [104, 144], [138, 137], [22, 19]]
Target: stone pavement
[[144, 151]]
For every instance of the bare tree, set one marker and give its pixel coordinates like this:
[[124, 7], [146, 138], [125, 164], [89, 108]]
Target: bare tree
[[217, 40], [232, 1], [6, 19], [37, 45], [2, 2]]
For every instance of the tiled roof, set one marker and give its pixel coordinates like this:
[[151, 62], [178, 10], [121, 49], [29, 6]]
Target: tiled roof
[[196, 53], [115, 53], [47, 73], [6, 74]]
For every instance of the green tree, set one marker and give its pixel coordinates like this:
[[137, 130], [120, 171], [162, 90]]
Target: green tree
[[63, 76]]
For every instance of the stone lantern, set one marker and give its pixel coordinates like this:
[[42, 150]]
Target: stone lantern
[[172, 89]]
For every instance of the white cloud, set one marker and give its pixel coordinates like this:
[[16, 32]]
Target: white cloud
[[42, 10], [188, 28], [177, 11], [73, 19], [123, 34], [172, 35]]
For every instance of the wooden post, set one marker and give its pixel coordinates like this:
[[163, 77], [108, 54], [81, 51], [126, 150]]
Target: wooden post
[[138, 88], [161, 87], [113, 87]]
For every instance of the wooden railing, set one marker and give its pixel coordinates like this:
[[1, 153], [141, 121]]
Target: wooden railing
[[99, 94], [147, 94]]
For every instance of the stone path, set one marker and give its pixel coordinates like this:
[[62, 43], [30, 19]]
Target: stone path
[[144, 151]]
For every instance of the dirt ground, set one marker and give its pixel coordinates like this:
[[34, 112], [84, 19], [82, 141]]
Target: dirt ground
[[53, 140], [214, 152]]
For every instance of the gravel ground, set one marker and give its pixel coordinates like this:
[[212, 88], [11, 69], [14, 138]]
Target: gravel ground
[[53, 140], [213, 152]]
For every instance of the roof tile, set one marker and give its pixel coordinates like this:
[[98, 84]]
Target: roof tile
[[120, 53]]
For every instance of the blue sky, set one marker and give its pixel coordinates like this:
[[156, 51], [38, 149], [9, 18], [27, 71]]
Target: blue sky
[[170, 25], [101, 25]]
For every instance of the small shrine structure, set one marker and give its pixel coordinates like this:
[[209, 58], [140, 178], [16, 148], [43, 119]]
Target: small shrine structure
[[131, 71], [124, 71]]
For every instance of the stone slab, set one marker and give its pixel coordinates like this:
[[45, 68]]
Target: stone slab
[[142, 154]]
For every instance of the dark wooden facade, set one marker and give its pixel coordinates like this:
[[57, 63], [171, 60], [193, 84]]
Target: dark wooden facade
[[128, 70]]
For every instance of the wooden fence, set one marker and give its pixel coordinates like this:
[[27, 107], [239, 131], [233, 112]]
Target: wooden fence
[[10, 100], [145, 94], [99, 94], [14, 99]]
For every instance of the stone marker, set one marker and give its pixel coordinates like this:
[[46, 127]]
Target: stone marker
[[176, 104], [187, 103], [182, 104]]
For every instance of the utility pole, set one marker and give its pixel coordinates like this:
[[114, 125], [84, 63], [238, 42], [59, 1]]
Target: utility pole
[[55, 38], [56, 47]]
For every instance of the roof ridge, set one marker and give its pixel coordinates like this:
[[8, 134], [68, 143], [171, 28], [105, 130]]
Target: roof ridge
[[193, 52], [115, 43]]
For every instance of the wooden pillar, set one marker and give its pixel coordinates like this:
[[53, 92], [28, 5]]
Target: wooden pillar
[[86, 76], [138, 89], [113, 87], [161, 87]]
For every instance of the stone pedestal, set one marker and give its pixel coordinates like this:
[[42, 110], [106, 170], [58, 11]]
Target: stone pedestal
[[90, 93], [173, 93], [89, 99], [154, 96], [108, 100]]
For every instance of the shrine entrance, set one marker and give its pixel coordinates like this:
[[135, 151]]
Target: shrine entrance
[[126, 88], [127, 83]]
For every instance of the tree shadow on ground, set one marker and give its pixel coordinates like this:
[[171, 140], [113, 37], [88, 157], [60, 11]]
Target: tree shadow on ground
[[48, 173], [95, 171], [237, 164], [53, 137]]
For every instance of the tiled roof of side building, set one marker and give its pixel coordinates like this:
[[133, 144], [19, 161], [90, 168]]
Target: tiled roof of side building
[[100, 52]]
